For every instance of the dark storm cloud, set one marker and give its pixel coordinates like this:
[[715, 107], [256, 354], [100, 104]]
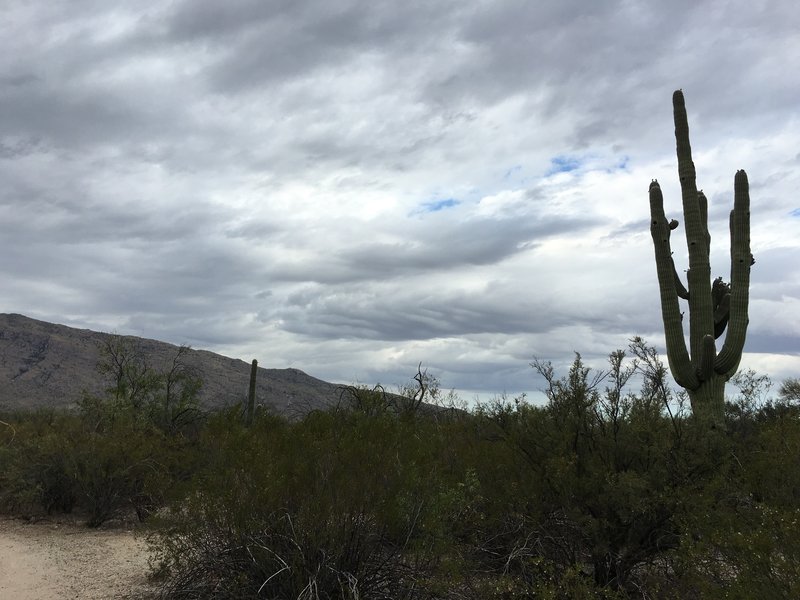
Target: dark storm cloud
[[72, 118], [90, 222], [394, 314], [265, 43], [766, 343], [16, 147], [448, 245]]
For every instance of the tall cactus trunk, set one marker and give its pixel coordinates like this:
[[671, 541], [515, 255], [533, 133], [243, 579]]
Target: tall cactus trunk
[[251, 395], [708, 400], [712, 306]]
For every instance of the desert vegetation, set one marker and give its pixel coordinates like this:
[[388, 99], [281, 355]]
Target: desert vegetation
[[609, 489]]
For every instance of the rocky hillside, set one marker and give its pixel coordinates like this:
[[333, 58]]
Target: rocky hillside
[[43, 364]]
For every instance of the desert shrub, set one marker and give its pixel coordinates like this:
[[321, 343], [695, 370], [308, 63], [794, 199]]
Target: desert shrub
[[649, 503], [601, 492], [738, 514], [36, 464], [597, 500], [341, 504], [102, 466], [119, 469], [135, 445]]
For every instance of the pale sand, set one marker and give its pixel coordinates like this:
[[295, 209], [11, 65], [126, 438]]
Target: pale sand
[[55, 560]]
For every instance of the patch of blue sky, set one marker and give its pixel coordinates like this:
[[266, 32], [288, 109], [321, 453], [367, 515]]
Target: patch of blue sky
[[564, 163], [437, 205], [795, 212]]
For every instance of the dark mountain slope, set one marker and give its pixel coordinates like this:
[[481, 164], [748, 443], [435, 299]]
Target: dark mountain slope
[[44, 364]]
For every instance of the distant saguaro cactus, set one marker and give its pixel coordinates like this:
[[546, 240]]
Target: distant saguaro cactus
[[712, 306], [251, 395]]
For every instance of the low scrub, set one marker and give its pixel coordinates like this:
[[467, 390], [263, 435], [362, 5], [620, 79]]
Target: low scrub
[[601, 492]]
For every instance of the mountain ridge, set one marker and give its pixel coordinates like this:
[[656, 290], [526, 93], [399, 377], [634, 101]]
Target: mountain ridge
[[45, 364]]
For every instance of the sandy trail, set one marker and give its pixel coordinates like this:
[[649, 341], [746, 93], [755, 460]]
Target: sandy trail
[[54, 560]]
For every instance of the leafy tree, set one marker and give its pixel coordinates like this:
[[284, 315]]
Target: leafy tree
[[166, 397]]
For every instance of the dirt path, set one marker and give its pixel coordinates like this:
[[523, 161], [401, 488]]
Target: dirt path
[[60, 560]]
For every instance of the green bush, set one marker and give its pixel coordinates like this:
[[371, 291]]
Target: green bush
[[104, 462], [346, 504], [601, 492], [36, 464]]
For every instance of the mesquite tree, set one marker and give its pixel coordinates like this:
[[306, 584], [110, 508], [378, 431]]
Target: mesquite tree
[[712, 306]]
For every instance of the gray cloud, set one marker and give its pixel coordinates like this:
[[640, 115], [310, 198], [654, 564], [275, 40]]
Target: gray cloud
[[396, 315], [350, 188]]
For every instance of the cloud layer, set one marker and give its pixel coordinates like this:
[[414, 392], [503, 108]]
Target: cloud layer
[[351, 188]]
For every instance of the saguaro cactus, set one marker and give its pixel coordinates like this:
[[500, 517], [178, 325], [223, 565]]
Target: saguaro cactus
[[712, 306], [251, 395]]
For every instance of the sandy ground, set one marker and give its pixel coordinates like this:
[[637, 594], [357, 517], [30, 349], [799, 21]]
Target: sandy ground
[[55, 560]]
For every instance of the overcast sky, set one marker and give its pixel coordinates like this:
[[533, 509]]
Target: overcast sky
[[353, 187]]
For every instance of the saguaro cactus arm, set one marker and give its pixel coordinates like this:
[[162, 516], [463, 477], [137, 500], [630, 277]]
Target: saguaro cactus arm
[[741, 260], [677, 355]]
